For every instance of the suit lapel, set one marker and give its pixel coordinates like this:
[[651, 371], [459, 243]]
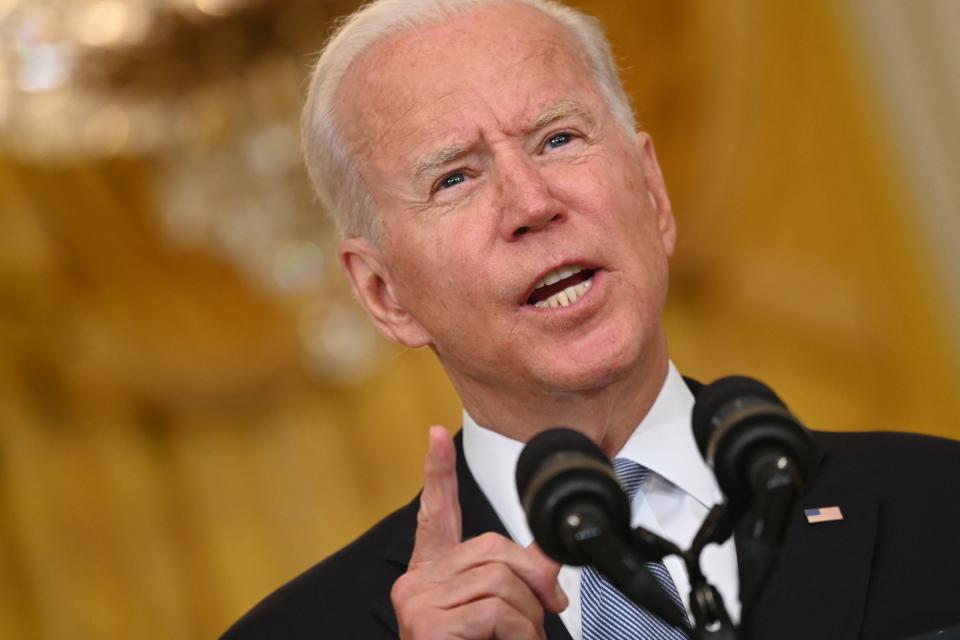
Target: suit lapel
[[820, 583], [397, 554], [478, 518]]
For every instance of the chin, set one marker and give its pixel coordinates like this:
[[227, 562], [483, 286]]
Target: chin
[[586, 379], [591, 369]]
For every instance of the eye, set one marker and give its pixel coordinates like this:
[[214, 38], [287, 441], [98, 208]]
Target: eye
[[451, 180], [558, 139]]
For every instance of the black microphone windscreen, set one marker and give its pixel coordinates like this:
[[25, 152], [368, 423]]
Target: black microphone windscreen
[[547, 443], [714, 396]]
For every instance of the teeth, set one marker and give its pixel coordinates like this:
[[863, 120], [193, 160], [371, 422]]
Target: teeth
[[559, 274], [568, 296]]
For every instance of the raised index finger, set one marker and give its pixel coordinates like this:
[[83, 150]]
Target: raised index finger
[[439, 526]]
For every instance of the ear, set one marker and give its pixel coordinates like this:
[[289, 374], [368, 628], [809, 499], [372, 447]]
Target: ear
[[657, 192], [365, 268]]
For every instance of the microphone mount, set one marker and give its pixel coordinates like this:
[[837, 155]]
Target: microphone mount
[[580, 515]]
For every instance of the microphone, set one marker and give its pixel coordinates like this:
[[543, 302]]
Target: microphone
[[763, 458], [579, 515]]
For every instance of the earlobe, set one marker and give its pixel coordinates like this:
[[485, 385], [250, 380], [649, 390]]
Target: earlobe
[[363, 264]]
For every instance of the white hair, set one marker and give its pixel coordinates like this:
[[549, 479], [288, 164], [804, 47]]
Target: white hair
[[329, 163]]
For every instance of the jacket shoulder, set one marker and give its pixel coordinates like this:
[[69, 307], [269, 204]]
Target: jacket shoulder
[[347, 595], [890, 460]]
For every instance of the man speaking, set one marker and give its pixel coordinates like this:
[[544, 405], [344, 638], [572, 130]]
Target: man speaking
[[498, 205]]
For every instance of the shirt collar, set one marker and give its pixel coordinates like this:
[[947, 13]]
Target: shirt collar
[[663, 442]]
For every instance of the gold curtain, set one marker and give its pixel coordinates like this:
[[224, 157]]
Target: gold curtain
[[166, 461]]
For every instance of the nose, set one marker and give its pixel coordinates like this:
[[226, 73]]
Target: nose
[[524, 199]]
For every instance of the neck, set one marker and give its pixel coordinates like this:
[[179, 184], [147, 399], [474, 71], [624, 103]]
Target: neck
[[608, 414]]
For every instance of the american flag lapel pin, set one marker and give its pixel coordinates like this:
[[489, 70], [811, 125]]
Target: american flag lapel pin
[[823, 514]]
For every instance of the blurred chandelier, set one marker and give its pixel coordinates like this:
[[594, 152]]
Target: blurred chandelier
[[207, 92], [103, 64]]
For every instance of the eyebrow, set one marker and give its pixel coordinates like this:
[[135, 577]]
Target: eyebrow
[[562, 109], [440, 158], [557, 111]]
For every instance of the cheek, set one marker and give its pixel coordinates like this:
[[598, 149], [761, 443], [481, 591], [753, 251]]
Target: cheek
[[606, 179], [611, 190], [436, 278], [586, 187]]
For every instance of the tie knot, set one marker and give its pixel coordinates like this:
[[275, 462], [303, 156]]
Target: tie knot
[[631, 474]]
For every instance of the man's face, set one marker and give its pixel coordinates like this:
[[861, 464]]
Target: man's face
[[496, 166]]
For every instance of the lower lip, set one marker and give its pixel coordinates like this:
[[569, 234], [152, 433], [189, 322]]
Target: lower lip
[[581, 302]]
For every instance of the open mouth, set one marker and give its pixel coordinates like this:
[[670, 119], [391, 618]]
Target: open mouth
[[561, 287]]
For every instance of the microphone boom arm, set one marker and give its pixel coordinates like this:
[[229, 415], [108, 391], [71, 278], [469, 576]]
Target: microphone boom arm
[[619, 562]]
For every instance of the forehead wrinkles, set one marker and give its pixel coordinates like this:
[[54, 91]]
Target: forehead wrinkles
[[404, 89]]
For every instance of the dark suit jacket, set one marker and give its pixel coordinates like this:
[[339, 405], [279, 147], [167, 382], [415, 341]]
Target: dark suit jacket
[[889, 569]]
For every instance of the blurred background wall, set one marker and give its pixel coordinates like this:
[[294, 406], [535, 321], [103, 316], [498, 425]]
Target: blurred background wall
[[192, 409]]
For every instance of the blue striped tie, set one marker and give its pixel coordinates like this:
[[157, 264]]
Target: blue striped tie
[[606, 613]]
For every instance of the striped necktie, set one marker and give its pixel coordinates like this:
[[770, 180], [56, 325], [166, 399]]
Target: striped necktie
[[609, 615]]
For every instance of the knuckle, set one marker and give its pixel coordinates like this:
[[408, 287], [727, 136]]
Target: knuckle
[[546, 574], [502, 578], [401, 590], [543, 574], [495, 609], [489, 543], [424, 514], [499, 572]]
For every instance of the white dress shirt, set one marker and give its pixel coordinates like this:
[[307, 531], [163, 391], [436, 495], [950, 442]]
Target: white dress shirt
[[672, 502]]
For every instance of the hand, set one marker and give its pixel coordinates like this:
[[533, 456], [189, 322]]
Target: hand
[[486, 587]]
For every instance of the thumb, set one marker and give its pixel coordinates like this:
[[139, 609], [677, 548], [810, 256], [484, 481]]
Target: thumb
[[438, 521]]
